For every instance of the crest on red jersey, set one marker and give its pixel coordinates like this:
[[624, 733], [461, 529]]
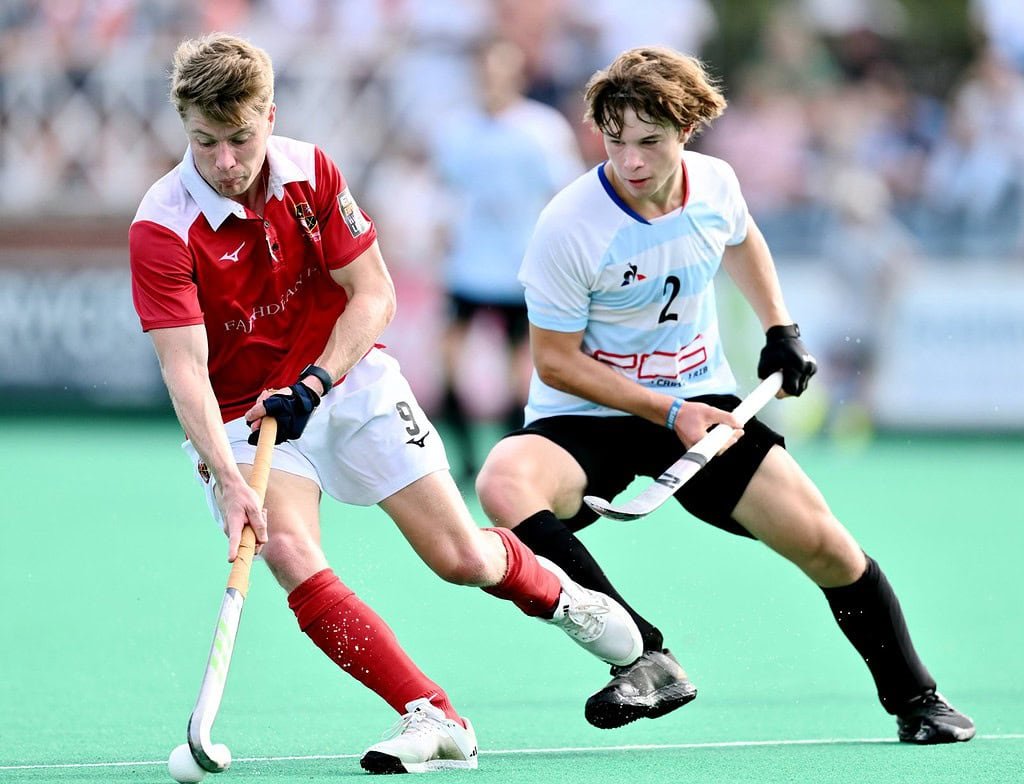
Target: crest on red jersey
[[307, 219]]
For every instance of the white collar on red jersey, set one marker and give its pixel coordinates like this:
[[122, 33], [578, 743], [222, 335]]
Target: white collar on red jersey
[[217, 208], [283, 169]]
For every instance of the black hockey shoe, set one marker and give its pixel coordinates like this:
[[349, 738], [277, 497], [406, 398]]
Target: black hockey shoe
[[930, 719], [650, 687]]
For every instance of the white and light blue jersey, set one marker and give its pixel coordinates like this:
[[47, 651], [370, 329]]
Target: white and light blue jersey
[[642, 291]]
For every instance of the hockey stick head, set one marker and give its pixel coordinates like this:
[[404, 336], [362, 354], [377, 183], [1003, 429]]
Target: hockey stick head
[[609, 510], [215, 758]]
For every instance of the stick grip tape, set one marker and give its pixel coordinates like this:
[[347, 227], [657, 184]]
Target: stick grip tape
[[239, 576]]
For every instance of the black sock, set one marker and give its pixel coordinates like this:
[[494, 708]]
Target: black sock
[[548, 536], [869, 614]]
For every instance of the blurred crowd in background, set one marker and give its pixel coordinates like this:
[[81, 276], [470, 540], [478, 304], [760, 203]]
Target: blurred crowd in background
[[866, 134]]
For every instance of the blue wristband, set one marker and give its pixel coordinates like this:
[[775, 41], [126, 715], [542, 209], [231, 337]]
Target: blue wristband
[[673, 412]]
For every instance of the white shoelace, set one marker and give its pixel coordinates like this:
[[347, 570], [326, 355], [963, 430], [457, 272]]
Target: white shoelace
[[586, 623], [415, 723]]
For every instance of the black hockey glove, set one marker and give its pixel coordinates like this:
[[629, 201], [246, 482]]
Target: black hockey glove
[[292, 412], [783, 350]]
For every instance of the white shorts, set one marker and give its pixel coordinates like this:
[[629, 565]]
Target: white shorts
[[367, 440]]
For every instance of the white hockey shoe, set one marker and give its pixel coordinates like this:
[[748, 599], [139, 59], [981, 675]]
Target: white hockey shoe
[[424, 739], [595, 621]]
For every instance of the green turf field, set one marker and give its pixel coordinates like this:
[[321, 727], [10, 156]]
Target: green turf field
[[111, 576]]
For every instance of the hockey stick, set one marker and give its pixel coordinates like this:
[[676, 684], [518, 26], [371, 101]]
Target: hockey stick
[[216, 757], [695, 458]]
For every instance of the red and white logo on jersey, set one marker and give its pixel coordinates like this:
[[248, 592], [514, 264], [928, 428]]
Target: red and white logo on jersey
[[658, 364]]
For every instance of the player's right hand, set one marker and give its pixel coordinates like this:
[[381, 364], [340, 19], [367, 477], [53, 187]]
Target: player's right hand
[[695, 420], [240, 506]]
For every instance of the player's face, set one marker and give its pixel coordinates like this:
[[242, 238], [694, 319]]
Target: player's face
[[230, 157], [645, 163]]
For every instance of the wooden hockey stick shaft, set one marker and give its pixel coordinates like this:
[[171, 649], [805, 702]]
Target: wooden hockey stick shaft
[[239, 576], [210, 756]]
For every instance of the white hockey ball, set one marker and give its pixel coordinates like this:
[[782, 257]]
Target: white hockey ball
[[183, 767]]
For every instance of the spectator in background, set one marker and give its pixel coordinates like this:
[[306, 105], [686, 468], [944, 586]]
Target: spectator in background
[[594, 31], [792, 55], [869, 252], [876, 124], [767, 116], [537, 28], [900, 128], [609, 26], [860, 33], [975, 180], [1001, 24], [429, 57], [414, 240], [501, 161], [771, 108]]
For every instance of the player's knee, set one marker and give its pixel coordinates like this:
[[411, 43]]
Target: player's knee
[[292, 557], [497, 482], [835, 559], [462, 566]]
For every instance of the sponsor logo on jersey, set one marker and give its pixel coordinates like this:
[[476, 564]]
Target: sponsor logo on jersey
[[272, 309], [632, 274], [420, 442], [357, 224], [233, 256]]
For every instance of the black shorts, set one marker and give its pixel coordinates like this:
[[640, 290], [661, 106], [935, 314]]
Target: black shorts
[[512, 316], [614, 450]]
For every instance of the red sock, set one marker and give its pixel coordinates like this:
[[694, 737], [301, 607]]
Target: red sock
[[361, 643], [527, 584]]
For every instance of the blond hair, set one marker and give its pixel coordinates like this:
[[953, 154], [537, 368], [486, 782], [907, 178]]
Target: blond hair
[[222, 76], [663, 87]]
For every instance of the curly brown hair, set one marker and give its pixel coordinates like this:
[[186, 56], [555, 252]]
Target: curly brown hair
[[663, 87]]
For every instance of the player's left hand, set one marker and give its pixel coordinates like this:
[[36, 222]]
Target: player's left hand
[[291, 407], [783, 350]]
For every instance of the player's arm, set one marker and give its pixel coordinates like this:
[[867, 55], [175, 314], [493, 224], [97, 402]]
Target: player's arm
[[562, 364], [751, 267], [183, 354], [370, 308]]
